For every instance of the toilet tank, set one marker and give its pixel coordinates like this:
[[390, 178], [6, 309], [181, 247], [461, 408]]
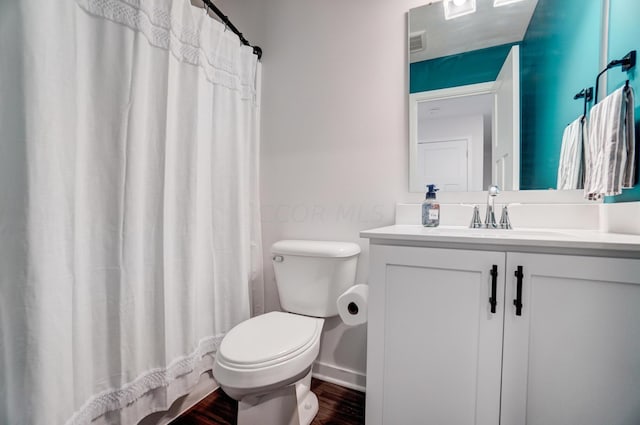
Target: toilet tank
[[311, 275]]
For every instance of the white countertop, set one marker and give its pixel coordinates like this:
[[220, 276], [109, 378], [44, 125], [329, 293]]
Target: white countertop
[[562, 241]]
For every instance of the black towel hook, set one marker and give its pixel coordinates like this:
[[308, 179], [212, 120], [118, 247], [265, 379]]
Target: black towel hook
[[587, 95]]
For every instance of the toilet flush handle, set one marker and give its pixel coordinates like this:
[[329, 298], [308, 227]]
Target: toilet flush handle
[[278, 258]]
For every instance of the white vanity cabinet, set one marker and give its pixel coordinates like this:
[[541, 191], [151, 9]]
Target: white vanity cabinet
[[434, 346], [439, 354], [573, 355]]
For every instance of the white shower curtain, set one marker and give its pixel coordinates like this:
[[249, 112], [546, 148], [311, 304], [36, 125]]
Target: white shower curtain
[[129, 216]]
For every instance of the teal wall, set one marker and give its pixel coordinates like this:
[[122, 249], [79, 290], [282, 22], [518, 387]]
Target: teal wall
[[559, 57], [478, 66], [624, 35]]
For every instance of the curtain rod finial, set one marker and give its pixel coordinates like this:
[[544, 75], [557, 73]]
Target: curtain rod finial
[[257, 51]]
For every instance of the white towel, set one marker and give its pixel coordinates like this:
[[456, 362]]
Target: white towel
[[570, 169], [611, 145]]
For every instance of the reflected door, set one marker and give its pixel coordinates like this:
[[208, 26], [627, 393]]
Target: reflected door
[[506, 143], [445, 164]]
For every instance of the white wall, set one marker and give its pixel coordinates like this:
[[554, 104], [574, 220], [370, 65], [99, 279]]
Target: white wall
[[334, 129]]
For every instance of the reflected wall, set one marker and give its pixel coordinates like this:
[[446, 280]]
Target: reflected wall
[[560, 56]]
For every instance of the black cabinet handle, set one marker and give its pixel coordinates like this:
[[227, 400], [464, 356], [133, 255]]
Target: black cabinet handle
[[518, 301], [494, 282]]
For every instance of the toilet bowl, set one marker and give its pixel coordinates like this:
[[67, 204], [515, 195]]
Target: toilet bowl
[[267, 356], [265, 362]]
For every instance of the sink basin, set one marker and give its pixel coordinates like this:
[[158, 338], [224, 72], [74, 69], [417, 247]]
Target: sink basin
[[491, 233]]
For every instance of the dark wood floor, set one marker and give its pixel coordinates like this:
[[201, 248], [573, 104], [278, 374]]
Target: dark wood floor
[[338, 406]]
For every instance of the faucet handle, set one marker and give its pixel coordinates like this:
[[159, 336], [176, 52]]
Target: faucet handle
[[476, 223], [505, 223]]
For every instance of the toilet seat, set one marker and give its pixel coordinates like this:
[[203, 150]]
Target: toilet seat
[[267, 349]]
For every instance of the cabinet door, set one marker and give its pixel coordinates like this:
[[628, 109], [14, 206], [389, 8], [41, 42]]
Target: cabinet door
[[434, 346], [573, 355]]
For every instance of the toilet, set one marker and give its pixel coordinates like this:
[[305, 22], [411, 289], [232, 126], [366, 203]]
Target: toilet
[[265, 362]]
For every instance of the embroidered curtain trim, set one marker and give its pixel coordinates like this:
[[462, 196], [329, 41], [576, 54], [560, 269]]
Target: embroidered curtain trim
[[116, 399], [212, 48]]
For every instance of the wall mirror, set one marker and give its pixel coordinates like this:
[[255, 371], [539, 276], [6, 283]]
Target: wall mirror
[[491, 89]]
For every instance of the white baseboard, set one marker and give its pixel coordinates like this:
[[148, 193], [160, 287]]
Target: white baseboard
[[340, 376]]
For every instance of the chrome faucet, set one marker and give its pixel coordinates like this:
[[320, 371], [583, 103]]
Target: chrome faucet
[[490, 217]]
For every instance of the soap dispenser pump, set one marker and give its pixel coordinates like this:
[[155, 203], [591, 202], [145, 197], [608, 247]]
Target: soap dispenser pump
[[430, 208]]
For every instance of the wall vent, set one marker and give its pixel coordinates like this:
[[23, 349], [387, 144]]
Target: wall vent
[[417, 41]]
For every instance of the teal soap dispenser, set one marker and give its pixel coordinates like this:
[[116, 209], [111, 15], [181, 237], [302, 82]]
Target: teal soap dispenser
[[430, 208]]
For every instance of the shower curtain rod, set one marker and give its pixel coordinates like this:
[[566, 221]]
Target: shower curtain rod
[[225, 20]]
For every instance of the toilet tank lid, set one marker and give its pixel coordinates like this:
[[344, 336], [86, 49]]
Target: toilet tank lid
[[316, 248]]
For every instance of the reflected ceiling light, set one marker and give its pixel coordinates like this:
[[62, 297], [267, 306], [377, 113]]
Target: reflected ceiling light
[[457, 8], [498, 3]]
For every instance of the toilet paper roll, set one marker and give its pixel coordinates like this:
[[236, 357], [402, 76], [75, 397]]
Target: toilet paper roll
[[352, 305]]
